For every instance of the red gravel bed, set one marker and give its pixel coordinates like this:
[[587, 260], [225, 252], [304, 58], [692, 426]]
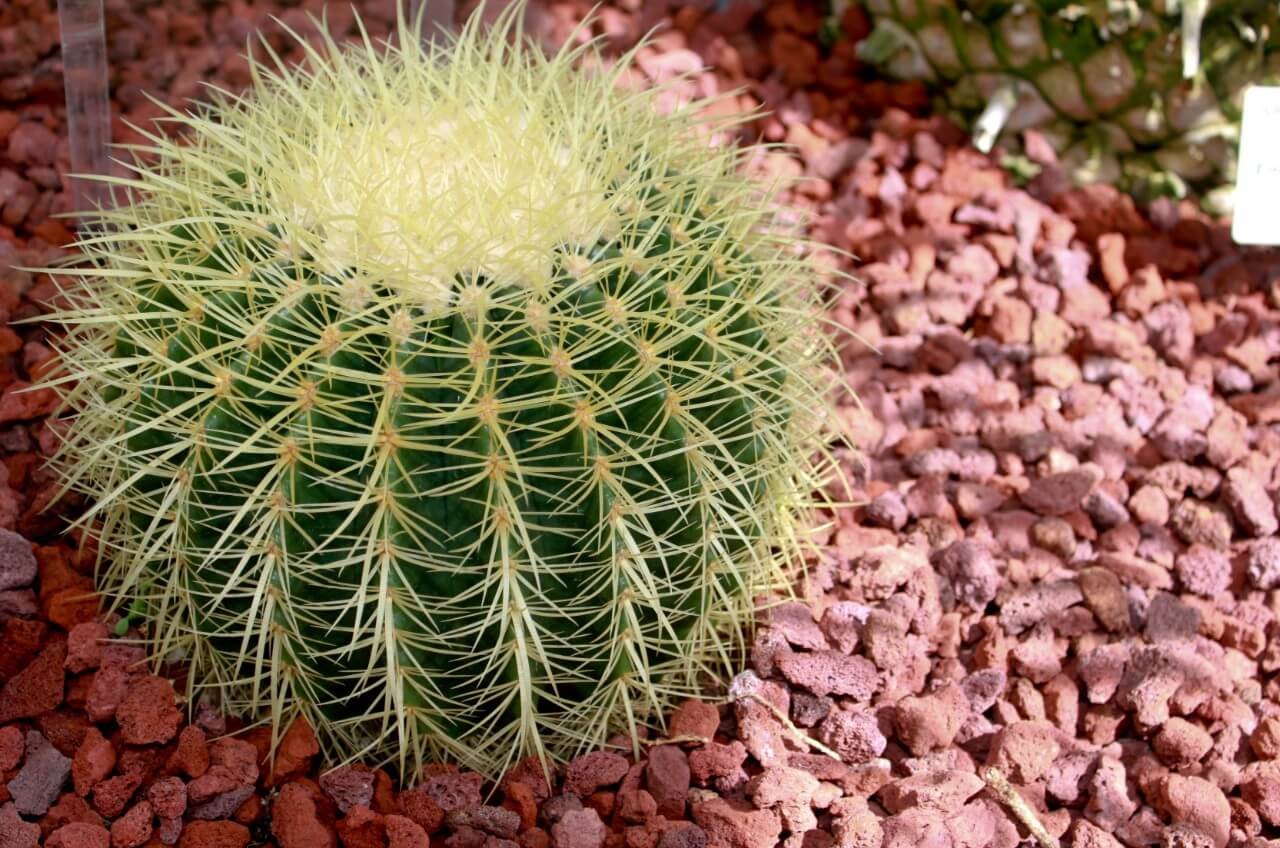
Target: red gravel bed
[[1053, 618]]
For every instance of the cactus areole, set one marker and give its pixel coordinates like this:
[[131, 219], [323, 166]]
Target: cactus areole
[[451, 396]]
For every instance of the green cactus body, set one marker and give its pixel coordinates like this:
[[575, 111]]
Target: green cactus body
[[1146, 94], [446, 491]]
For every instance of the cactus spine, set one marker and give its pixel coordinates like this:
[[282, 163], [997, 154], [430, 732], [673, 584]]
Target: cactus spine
[[448, 395]]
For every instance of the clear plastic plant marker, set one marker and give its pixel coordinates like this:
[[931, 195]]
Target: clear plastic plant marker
[[84, 70]]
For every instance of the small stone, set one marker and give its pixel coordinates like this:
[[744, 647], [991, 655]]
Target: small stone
[[720, 766], [853, 734], [830, 673], [1180, 743], [458, 791], [42, 777], [84, 646], [944, 791], [1196, 802], [971, 573], [1111, 802], [1168, 618], [931, 722], [594, 771], [794, 620], [1203, 571], [214, 834], [348, 787], [148, 713], [1249, 502], [14, 832], [295, 822], [36, 689], [1263, 571], [1024, 750], [168, 797], [1060, 493], [79, 835], [730, 824], [132, 829], [191, 757], [94, 760], [579, 829], [405, 833], [667, 778], [17, 562], [1105, 597], [11, 747], [695, 719]]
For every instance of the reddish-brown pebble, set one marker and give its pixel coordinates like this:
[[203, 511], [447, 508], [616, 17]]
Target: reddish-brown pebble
[[294, 819], [36, 689], [695, 719], [1196, 802], [191, 756], [148, 713], [404, 833], [296, 749], [84, 646], [593, 771], [94, 760], [11, 746], [362, 828], [168, 797], [731, 824], [132, 829], [214, 834], [79, 835], [1022, 751]]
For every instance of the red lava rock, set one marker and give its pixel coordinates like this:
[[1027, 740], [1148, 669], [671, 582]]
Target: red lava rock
[[422, 808], [105, 693], [853, 734], [348, 787], [636, 806], [667, 779], [694, 719], [454, 790], [1111, 799], [168, 797], [148, 712], [1203, 570], [362, 828], [84, 645], [1086, 835], [214, 834], [1022, 751], [405, 833], [191, 757], [593, 771], [795, 622], [1181, 743], [233, 763], [36, 689], [735, 825], [39, 782], [944, 791], [294, 821], [296, 749], [931, 722], [94, 760], [79, 835], [133, 829], [830, 672], [720, 765], [17, 562], [579, 829], [11, 747], [1196, 802], [971, 573], [1058, 494], [14, 832]]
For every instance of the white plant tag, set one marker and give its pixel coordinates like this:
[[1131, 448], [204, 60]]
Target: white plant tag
[[1256, 216]]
